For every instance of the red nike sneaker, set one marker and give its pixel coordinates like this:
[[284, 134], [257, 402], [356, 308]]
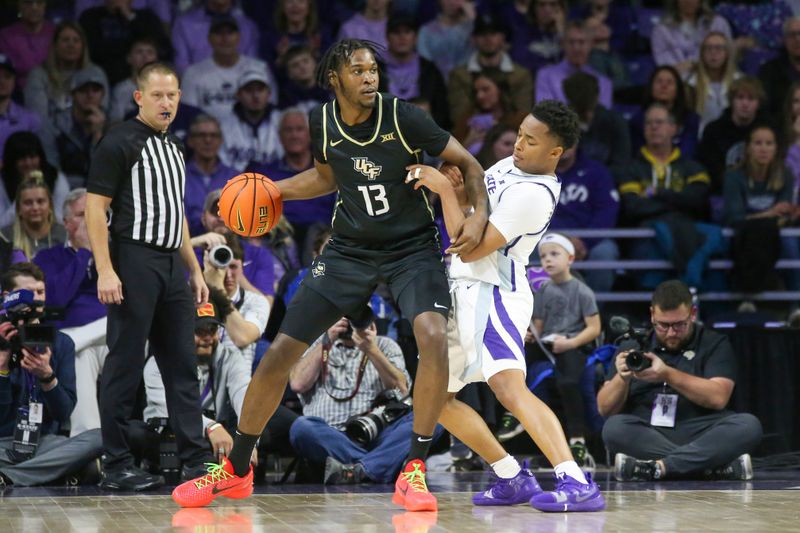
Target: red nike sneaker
[[411, 491], [220, 481]]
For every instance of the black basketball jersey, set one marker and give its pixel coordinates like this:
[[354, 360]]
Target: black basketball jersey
[[369, 160]]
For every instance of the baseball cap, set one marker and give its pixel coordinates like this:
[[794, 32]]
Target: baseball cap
[[557, 238], [85, 77], [6, 63], [223, 23], [207, 314], [488, 23], [250, 75], [211, 205]]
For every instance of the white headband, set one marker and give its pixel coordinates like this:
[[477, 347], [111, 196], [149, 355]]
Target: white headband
[[557, 238]]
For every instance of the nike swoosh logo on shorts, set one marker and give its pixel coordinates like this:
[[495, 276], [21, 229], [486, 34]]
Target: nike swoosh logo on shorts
[[437, 306], [334, 143]]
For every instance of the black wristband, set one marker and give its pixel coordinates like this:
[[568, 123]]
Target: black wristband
[[48, 379]]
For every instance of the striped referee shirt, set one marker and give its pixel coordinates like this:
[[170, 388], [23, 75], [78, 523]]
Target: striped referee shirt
[[143, 172], [342, 375]]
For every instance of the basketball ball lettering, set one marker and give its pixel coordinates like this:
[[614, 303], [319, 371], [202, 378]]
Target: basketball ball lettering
[[250, 204]]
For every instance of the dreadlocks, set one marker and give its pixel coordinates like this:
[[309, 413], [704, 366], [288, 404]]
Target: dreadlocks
[[338, 55]]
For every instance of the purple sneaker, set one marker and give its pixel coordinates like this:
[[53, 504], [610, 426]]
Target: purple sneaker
[[518, 489], [570, 495]]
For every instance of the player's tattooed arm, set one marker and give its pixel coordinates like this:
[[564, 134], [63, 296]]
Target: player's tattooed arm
[[311, 183]]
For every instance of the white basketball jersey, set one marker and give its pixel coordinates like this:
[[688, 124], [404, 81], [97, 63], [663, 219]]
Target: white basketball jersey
[[521, 206]]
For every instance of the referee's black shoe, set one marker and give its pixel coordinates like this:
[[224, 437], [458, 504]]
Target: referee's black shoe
[[130, 479]]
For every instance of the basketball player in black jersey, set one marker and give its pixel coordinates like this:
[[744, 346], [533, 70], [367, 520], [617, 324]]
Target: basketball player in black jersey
[[383, 231]]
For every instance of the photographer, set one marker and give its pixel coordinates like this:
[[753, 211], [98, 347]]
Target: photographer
[[340, 377], [668, 418], [37, 389], [223, 376], [249, 309], [258, 273]]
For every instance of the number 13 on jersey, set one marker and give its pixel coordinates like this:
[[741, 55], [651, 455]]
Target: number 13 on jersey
[[377, 194]]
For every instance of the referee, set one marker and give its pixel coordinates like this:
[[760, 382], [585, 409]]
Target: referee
[[138, 171]]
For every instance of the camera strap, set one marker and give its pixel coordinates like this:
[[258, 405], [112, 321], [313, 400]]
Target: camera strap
[[326, 350]]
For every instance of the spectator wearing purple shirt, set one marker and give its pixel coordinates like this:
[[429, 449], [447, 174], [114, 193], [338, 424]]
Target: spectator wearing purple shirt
[[589, 199], [410, 75], [369, 24], [536, 36], [677, 38], [71, 283], [190, 29], [27, 41], [258, 264], [295, 137], [577, 47], [13, 117], [446, 39], [205, 172]]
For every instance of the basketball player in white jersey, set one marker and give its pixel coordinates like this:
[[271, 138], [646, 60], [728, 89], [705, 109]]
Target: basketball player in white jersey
[[493, 305]]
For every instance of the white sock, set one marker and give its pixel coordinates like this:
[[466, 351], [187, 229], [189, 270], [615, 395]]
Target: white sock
[[576, 440], [571, 469], [506, 468]]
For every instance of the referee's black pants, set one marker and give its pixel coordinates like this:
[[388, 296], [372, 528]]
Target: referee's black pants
[[158, 305]]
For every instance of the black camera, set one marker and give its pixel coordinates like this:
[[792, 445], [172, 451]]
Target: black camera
[[20, 308], [220, 256], [347, 334], [365, 428], [635, 338], [361, 320]]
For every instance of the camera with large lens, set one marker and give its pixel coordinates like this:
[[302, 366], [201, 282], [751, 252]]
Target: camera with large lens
[[388, 407], [220, 256], [20, 309], [634, 339], [636, 361]]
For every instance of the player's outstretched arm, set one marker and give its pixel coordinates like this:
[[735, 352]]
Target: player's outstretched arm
[[311, 183], [474, 225], [454, 219]]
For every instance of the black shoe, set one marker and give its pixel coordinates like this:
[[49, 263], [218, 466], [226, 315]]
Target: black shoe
[[194, 471], [582, 456], [627, 468], [740, 469], [337, 473], [130, 479], [5, 483]]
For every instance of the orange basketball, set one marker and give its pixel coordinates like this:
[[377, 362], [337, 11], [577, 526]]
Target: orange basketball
[[250, 204]]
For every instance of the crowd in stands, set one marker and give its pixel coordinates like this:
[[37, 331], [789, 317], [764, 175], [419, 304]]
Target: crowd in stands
[[690, 117]]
